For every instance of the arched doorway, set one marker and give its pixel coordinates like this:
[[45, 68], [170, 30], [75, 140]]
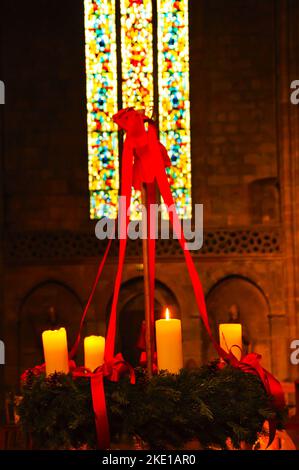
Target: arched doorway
[[238, 299], [49, 305], [131, 314]]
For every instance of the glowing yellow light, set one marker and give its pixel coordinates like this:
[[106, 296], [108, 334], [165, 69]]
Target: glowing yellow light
[[167, 314]]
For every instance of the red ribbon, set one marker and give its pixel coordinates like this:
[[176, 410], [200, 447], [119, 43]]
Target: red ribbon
[[143, 361], [251, 365], [97, 278], [110, 369], [41, 369], [35, 371], [143, 161], [113, 371]]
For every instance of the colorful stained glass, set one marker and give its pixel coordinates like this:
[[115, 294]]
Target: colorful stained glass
[[174, 105], [137, 65], [137, 53], [137, 85], [101, 90]]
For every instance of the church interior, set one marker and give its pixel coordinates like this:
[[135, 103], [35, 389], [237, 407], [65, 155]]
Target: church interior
[[239, 72]]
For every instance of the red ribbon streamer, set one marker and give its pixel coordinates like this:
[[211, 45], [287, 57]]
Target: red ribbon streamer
[[96, 379], [113, 371], [251, 365], [97, 278]]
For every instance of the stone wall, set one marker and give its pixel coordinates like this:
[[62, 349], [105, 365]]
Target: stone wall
[[45, 120], [233, 90]]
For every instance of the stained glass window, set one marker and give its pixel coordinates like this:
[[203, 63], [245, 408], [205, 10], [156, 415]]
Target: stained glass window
[[101, 90], [137, 53], [139, 44], [174, 105], [137, 65]]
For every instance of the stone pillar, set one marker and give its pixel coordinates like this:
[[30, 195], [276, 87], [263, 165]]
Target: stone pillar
[[279, 346], [294, 139], [287, 126]]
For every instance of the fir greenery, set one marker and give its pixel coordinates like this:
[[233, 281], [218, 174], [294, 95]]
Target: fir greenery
[[207, 404]]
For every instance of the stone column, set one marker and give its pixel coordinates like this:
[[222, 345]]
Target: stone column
[[294, 137], [279, 346], [287, 127]]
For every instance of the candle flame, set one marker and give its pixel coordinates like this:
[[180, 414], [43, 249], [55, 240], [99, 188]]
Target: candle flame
[[167, 314]]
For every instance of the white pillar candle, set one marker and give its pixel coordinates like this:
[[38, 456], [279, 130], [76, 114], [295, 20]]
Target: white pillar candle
[[94, 348], [169, 344], [230, 335], [55, 351]]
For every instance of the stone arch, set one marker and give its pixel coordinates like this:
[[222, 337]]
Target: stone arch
[[131, 313], [254, 314], [50, 304]]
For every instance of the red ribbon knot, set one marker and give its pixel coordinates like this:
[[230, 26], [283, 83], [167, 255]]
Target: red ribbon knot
[[112, 370]]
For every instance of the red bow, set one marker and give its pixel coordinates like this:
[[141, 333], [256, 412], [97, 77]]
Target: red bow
[[251, 365], [139, 141], [41, 369], [35, 371], [111, 370]]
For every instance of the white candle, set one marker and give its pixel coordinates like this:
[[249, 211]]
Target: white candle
[[230, 335], [94, 348], [55, 351], [169, 344]]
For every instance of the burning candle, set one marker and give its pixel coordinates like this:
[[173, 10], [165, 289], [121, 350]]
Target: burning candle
[[230, 335], [169, 343], [94, 348], [55, 351]]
